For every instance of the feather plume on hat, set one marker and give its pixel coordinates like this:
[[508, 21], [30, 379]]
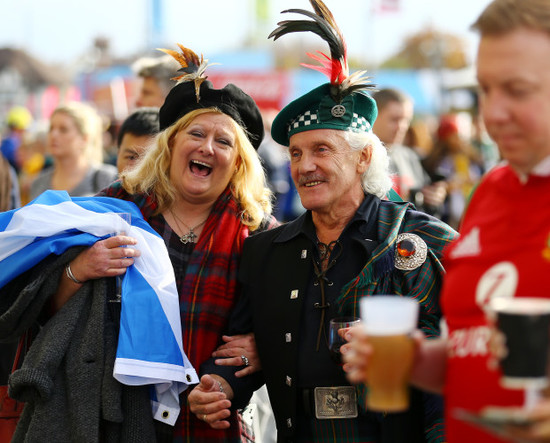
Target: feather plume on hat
[[192, 67], [334, 67]]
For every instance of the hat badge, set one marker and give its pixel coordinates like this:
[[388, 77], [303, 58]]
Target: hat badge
[[338, 111]]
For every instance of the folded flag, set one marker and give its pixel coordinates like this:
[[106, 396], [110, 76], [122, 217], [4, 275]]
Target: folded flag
[[150, 350]]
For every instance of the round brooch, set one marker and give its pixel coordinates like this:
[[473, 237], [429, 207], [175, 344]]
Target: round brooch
[[411, 252], [338, 110]]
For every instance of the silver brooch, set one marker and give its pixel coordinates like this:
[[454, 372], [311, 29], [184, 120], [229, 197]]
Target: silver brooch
[[338, 110], [410, 252]]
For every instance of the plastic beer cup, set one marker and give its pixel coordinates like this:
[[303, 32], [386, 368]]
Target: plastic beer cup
[[388, 323]]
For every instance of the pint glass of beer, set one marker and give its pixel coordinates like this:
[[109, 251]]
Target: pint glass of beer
[[388, 321], [525, 323]]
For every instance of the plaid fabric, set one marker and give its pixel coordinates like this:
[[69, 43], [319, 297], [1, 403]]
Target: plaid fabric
[[423, 284], [311, 118], [206, 281]]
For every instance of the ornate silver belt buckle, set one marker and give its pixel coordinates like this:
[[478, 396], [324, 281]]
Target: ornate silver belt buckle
[[335, 402]]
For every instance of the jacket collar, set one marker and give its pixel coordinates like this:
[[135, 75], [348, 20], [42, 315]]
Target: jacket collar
[[366, 216]]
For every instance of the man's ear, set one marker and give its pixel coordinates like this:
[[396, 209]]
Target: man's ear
[[364, 159]]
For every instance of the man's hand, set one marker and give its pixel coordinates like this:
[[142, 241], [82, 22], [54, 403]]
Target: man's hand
[[239, 350], [355, 355], [435, 194], [537, 424]]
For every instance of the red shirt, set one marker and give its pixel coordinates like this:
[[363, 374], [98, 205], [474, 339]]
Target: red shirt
[[504, 250]]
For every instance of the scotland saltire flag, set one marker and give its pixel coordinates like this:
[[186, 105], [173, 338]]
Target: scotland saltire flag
[[150, 342]]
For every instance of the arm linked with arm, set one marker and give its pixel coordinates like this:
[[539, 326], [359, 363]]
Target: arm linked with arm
[[240, 322]]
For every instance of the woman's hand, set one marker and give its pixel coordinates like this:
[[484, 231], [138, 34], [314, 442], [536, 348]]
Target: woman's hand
[[106, 258], [209, 403], [239, 350]]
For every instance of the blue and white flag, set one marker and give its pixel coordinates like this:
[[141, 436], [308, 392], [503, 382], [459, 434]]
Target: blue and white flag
[[150, 350]]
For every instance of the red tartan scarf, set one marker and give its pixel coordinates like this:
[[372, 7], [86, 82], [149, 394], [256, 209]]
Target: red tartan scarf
[[210, 283], [206, 299]]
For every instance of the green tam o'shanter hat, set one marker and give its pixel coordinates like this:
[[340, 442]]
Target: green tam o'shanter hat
[[341, 104], [318, 110]]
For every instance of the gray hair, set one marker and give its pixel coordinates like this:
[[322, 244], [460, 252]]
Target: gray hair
[[376, 180], [162, 69]]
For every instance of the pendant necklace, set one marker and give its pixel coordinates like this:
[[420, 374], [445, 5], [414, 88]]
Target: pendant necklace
[[190, 237]]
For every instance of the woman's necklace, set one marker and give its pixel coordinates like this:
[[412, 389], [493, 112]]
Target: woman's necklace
[[190, 237]]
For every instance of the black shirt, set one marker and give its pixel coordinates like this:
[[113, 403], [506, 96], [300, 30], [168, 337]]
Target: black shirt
[[353, 249]]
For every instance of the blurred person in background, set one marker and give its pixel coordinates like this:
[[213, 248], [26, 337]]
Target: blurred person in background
[[155, 79], [34, 156], [276, 163], [458, 162], [18, 121], [411, 181], [419, 137], [76, 147], [483, 143], [9, 186], [135, 135]]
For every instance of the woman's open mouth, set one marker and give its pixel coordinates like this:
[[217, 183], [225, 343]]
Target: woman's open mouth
[[200, 168]]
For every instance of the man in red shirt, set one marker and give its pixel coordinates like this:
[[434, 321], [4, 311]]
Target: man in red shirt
[[504, 248]]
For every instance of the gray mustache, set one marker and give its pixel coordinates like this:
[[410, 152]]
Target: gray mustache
[[310, 178]]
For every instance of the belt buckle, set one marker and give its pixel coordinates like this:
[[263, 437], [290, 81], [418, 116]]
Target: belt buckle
[[335, 402]]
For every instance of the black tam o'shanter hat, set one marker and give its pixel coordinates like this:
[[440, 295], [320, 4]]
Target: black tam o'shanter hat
[[340, 104], [193, 91]]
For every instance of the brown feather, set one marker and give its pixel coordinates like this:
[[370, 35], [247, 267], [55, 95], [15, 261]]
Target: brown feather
[[192, 66]]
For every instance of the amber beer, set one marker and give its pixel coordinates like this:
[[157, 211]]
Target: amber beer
[[388, 372], [388, 321]]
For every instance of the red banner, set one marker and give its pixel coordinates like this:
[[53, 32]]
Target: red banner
[[267, 89]]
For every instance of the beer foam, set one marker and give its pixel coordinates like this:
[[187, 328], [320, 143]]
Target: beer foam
[[520, 305], [388, 314]]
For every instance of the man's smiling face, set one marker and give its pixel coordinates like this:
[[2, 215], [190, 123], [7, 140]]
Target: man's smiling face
[[325, 171]]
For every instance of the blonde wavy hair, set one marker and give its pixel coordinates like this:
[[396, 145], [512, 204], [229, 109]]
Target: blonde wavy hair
[[248, 184], [89, 124]]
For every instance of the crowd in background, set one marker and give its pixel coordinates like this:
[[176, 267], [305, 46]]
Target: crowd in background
[[452, 149]]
